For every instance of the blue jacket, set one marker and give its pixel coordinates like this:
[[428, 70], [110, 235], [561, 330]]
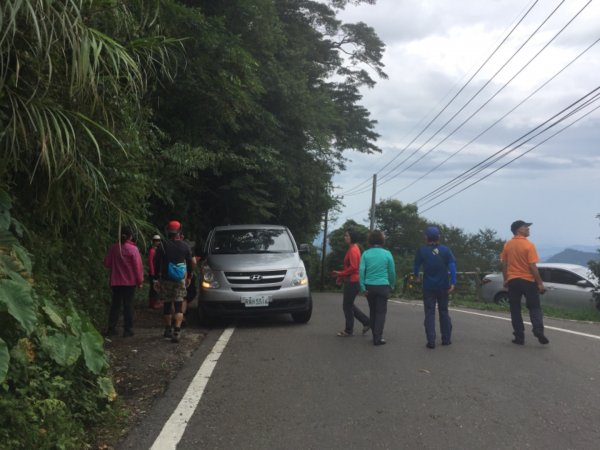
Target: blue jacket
[[437, 261], [377, 268]]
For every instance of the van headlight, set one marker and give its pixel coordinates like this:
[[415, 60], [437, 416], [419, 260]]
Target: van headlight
[[208, 278], [300, 278]]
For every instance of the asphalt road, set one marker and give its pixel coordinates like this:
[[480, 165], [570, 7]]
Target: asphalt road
[[278, 385]]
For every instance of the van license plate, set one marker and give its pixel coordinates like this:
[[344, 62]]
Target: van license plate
[[260, 300]]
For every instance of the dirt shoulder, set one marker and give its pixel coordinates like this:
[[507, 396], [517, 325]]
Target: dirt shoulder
[[142, 366]]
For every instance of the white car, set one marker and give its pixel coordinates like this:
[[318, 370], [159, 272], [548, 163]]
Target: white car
[[567, 286]]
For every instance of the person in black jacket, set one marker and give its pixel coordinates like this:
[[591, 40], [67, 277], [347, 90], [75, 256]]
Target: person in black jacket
[[174, 265]]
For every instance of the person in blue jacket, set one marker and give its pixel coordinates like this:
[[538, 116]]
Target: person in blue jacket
[[377, 277], [439, 279]]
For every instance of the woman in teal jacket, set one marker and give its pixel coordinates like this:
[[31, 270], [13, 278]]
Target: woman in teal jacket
[[377, 276]]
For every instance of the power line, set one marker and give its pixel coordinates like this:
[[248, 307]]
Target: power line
[[512, 160], [352, 190], [571, 110], [498, 120], [486, 162], [481, 89]]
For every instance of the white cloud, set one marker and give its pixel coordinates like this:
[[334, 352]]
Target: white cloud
[[433, 48]]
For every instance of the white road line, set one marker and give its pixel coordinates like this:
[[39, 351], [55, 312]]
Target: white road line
[[174, 428], [564, 330]]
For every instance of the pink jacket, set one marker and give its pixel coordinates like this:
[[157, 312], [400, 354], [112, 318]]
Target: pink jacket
[[125, 264]]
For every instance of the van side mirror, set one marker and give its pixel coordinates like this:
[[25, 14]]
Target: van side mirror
[[303, 249]]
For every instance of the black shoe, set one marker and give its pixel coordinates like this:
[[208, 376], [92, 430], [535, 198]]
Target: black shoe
[[380, 342], [542, 339], [127, 333], [518, 341], [446, 342], [168, 333], [365, 329], [430, 345]]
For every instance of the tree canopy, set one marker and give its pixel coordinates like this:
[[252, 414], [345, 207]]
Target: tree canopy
[[130, 112]]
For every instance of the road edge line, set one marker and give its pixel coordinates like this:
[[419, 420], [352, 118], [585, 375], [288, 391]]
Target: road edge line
[[175, 426]]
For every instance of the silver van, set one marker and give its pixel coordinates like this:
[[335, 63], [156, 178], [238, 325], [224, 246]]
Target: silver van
[[251, 270]]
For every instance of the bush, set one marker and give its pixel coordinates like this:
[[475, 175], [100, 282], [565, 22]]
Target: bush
[[52, 364]]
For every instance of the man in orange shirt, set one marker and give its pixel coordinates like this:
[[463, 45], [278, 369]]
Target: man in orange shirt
[[522, 278]]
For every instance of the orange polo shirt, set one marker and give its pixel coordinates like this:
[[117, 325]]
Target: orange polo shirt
[[518, 254]]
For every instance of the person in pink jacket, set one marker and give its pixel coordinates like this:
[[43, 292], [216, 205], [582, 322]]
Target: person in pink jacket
[[126, 272], [349, 276]]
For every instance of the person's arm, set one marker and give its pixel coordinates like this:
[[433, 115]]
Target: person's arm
[[538, 279], [362, 273], [139, 268], [353, 264], [391, 271], [452, 269], [151, 268]]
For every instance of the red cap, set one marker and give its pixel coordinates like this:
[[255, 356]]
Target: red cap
[[173, 226]]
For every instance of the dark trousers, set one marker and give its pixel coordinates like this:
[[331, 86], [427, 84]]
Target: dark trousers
[[351, 311], [430, 298], [377, 296], [121, 295], [517, 288]]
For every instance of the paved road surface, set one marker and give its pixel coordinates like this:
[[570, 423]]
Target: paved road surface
[[278, 385]]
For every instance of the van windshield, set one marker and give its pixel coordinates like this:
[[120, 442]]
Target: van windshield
[[251, 241]]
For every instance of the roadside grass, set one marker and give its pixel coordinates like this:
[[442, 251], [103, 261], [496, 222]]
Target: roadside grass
[[586, 315]]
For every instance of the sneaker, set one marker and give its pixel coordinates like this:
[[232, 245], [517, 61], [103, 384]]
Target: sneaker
[[168, 333], [542, 339], [446, 342], [366, 328], [518, 341], [430, 345], [176, 336], [380, 342]]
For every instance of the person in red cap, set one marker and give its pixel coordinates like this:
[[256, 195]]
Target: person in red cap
[[174, 265], [522, 278]]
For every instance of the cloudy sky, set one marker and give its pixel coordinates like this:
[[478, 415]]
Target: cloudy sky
[[436, 47]]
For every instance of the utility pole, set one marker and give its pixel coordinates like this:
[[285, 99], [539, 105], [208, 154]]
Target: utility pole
[[373, 202], [323, 251]]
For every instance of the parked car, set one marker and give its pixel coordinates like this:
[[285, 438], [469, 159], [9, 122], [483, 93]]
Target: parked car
[[250, 270], [567, 286]]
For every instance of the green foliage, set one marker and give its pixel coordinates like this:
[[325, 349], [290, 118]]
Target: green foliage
[[48, 387], [139, 112]]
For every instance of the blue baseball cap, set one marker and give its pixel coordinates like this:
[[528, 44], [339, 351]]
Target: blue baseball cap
[[432, 233]]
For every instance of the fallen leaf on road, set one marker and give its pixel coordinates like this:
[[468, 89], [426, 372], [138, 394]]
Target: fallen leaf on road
[[425, 371]]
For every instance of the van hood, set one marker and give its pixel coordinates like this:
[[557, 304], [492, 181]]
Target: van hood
[[251, 262]]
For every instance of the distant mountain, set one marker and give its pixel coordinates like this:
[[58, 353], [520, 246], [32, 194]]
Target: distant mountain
[[573, 256]]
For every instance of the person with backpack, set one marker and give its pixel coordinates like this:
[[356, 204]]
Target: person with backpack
[[439, 279], [174, 265], [126, 272]]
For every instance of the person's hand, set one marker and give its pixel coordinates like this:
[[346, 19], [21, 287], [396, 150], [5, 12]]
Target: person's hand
[[541, 288], [156, 285], [451, 289], [335, 273], [140, 285]]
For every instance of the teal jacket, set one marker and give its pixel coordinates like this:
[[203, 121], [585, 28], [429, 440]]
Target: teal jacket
[[377, 268]]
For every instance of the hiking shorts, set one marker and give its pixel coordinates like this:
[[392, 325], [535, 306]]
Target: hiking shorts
[[172, 291]]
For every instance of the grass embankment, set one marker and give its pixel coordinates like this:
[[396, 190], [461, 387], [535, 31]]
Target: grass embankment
[[588, 315]]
